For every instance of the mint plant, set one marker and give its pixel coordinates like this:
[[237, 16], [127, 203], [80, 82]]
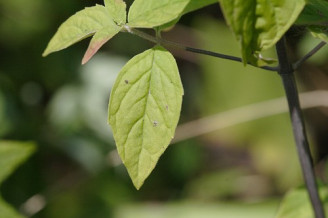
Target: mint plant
[[146, 99]]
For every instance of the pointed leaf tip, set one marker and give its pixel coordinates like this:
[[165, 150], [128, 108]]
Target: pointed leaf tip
[[144, 110]]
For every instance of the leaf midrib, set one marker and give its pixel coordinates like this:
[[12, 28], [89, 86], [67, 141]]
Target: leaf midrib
[[143, 121]]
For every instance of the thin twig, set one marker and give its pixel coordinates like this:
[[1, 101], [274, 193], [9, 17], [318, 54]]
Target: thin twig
[[286, 72], [167, 43], [245, 114], [298, 63]]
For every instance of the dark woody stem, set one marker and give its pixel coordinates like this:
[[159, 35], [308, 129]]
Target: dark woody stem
[[286, 72]]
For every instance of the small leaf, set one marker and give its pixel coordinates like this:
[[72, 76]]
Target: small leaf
[[152, 13], [144, 110], [314, 13], [296, 204], [258, 24], [319, 32], [193, 5], [93, 20]]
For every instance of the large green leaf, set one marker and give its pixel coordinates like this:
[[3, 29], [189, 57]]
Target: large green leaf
[[152, 13], [12, 154], [314, 13], [144, 110], [296, 204], [259, 24], [194, 5], [96, 20]]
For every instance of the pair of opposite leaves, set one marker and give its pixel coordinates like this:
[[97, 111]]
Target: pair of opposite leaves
[[145, 102]]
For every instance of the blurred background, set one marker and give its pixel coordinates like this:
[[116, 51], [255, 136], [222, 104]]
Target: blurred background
[[233, 155]]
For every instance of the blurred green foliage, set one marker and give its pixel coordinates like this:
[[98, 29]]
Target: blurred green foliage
[[12, 154], [298, 198], [76, 172]]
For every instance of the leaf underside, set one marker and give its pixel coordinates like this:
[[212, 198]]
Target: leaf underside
[[193, 5], [144, 110], [315, 13], [259, 24]]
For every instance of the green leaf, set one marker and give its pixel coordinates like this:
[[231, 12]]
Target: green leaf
[[12, 154], [296, 204], [193, 5], [96, 21], [314, 13], [319, 32], [144, 110], [152, 13], [259, 24], [7, 211], [117, 10]]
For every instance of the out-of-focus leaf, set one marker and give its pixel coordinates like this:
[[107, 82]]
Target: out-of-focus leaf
[[309, 41], [258, 25], [196, 210], [144, 110], [95, 21], [6, 211], [193, 5], [152, 13], [296, 204], [12, 154], [319, 32], [315, 13], [267, 138]]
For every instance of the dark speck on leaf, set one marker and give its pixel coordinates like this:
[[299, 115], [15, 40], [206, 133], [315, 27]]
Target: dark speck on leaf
[[155, 123], [126, 81]]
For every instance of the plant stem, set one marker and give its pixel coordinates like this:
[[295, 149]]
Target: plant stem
[[286, 72], [308, 55], [167, 43]]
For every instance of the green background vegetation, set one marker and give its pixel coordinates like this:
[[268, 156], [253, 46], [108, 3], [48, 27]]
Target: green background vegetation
[[239, 171]]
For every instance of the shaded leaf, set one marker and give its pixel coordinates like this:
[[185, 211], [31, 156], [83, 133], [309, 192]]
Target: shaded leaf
[[296, 204], [7, 211], [319, 32], [315, 13], [12, 154], [144, 110], [258, 24], [193, 5], [152, 13], [90, 21]]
